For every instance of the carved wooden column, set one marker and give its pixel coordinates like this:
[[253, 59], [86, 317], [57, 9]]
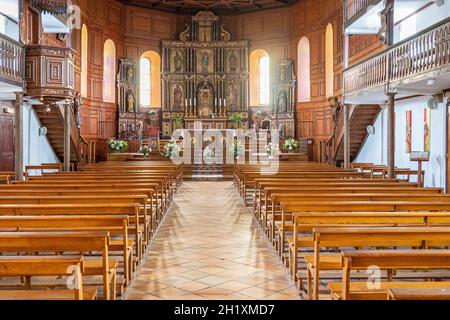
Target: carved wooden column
[[18, 123], [346, 137], [391, 133], [67, 137]]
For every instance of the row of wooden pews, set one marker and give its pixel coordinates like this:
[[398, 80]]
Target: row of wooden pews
[[87, 230], [350, 234]]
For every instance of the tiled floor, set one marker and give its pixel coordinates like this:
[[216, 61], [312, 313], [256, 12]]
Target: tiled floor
[[209, 248]]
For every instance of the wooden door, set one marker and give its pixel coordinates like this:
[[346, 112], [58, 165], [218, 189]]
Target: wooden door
[[7, 155]]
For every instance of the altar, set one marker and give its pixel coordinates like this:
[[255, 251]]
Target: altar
[[205, 77]]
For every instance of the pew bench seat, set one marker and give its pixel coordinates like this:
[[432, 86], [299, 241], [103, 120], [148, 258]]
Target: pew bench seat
[[89, 294], [360, 291], [419, 294]]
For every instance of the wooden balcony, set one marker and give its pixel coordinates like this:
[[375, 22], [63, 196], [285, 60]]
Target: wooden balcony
[[355, 9], [49, 71], [12, 57], [412, 61]]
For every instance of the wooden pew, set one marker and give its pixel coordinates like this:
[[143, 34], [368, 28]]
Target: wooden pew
[[306, 222], [437, 293], [391, 260], [117, 226], [12, 242], [23, 266], [383, 237]]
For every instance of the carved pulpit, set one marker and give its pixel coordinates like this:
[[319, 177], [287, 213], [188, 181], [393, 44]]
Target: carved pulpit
[[131, 120], [284, 100], [205, 76]]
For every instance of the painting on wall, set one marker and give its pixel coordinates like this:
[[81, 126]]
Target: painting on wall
[[408, 131], [427, 130]]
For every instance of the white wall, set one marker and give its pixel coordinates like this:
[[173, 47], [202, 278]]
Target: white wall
[[374, 150], [36, 148], [420, 21]]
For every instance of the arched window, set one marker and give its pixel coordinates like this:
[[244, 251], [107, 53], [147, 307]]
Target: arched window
[[145, 66], [109, 70], [304, 70], [329, 61], [259, 78], [150, 79], [84, 60]]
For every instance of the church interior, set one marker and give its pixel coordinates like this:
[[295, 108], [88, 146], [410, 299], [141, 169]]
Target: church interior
[[224, 150]]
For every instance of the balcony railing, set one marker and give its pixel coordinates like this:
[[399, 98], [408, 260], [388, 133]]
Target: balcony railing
[[12, 57], [426, 53], [356, 8]]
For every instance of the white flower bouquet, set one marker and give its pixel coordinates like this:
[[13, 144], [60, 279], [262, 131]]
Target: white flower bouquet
[[145, 150], [272, 150], [117, 146], [171, 149], [237, 149], [290, 145]]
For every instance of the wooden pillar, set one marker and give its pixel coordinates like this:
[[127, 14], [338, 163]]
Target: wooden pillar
[[346, 137], [67, 137], [391, 134], [18, 125]]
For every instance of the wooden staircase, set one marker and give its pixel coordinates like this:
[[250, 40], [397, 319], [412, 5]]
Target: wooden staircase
[[53, 120], [361, 116]]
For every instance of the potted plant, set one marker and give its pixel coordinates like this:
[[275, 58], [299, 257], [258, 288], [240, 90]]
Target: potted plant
[[290, 145], [236, 119], [177, 120], [117, 146]]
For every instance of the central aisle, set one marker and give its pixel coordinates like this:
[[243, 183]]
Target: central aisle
[[208, 247]]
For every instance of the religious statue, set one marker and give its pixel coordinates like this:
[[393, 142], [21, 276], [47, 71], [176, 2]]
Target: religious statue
[[335, 107], [205, 100], [130, 74], [130, 104], [177, 98], [232, 96], [77, 103], [205, 62], [283, 73], [282, 102], [233, 62], [178, 62]]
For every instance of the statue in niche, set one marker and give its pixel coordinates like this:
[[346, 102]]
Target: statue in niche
[[283, 73], [232, 60], [177, 98], [130, 102], [282, 102], [130, 74], [205, 100], [205, 62], [178, 62], [232, 96]]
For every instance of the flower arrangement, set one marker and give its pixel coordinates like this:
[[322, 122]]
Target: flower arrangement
[[145, 150], [290, 145], [237, 149], [177, 119], [171, 149], [208, 155], [117, 146], [272, 150], [236, 118]]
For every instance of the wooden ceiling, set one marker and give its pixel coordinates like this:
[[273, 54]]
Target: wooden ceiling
[[219, 7]]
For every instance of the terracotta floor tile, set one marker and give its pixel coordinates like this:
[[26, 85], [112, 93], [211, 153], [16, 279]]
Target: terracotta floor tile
[[209, 247]]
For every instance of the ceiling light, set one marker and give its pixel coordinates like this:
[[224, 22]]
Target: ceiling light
[[431, 82]]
